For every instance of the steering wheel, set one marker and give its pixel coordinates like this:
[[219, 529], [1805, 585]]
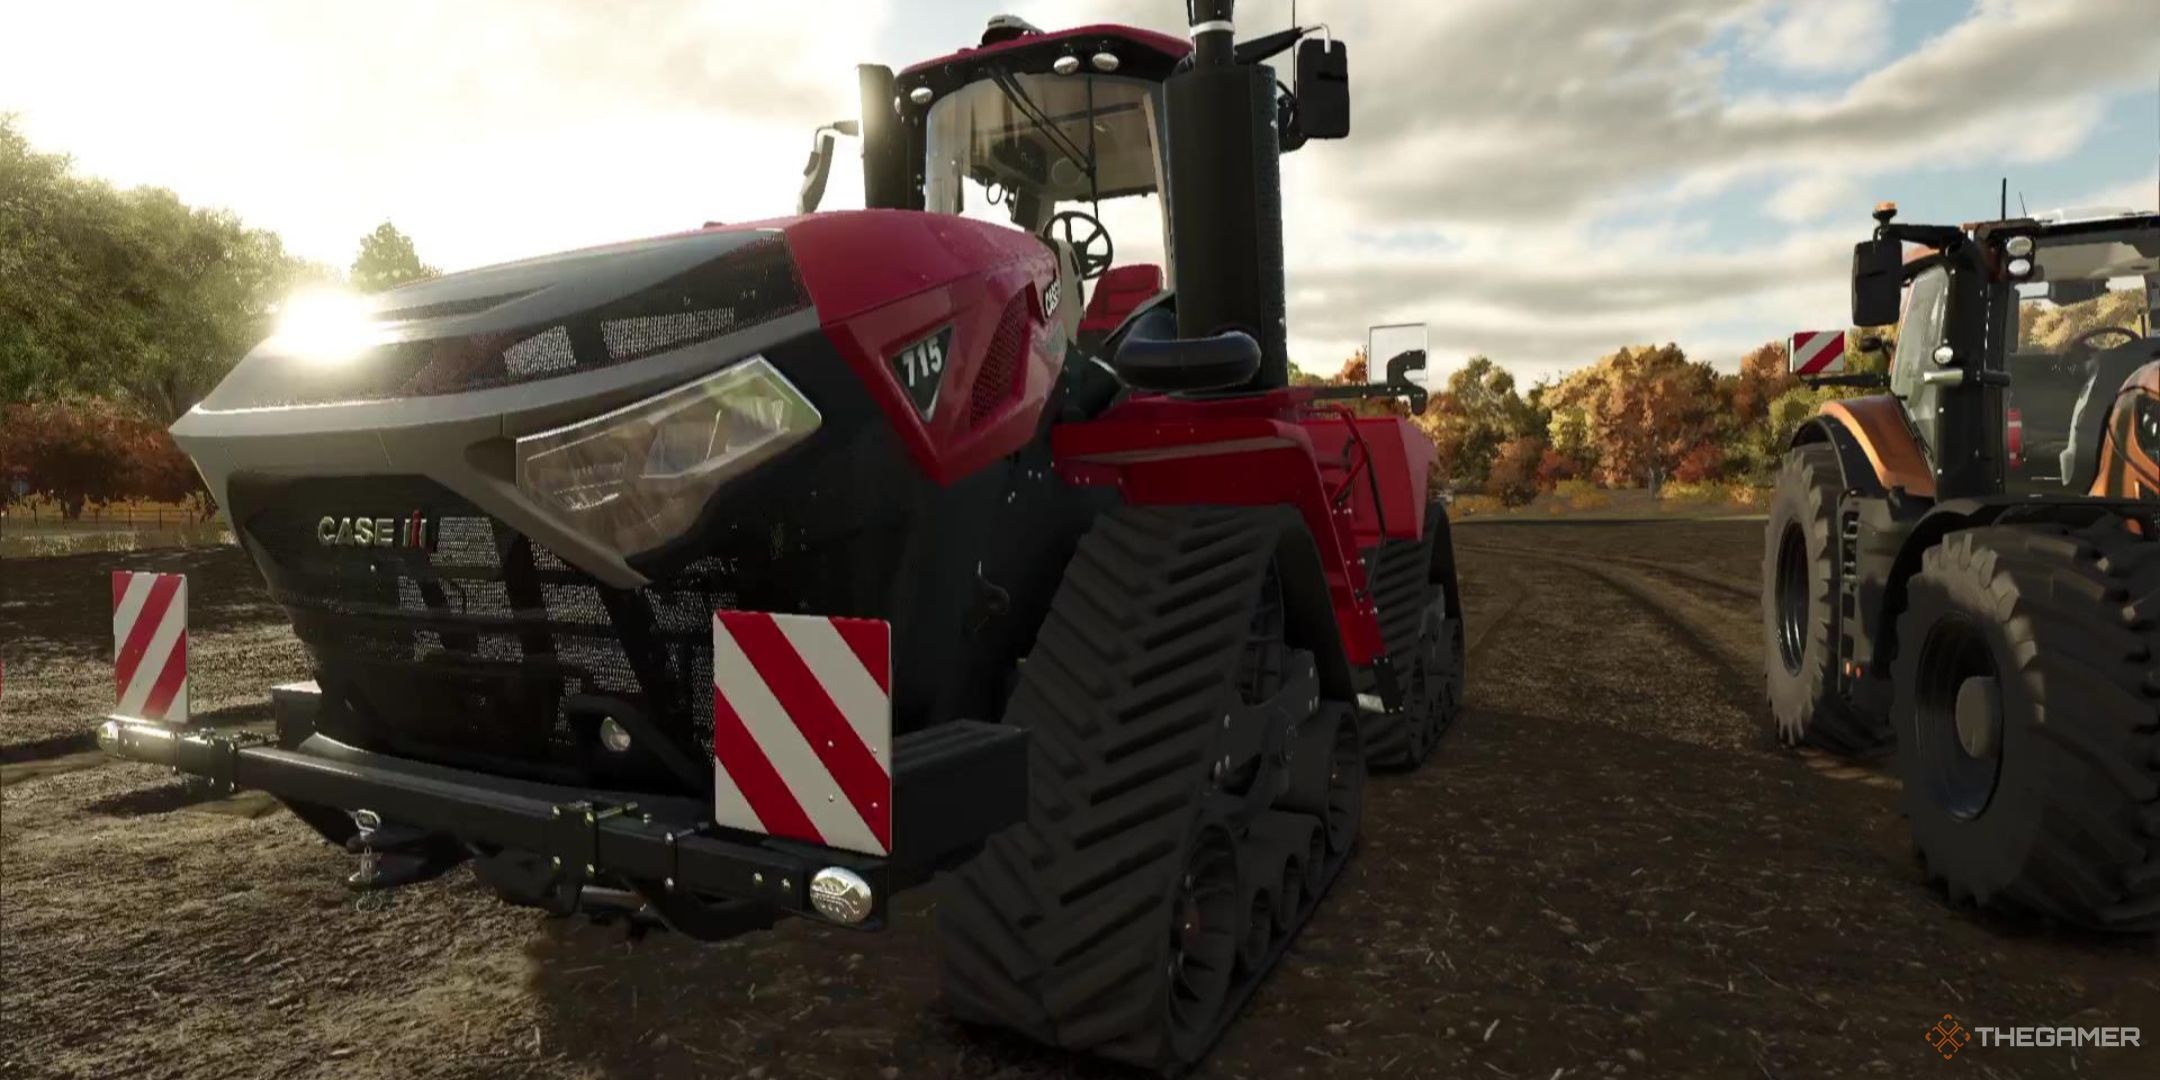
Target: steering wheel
[[2078, 358], [2084, 341], [1090, 242]]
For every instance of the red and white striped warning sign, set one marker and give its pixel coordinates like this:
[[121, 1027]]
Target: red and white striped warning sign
[[802, 728], [149, 621], [1816, 352], [2014, 436]]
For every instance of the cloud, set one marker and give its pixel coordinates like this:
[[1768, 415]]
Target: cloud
[[1813, 196], [1820, 37], [1498, 109], [2137, 194], [1534, 179]]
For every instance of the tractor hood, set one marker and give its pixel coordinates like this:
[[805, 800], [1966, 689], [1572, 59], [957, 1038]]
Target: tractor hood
[[446, 374]]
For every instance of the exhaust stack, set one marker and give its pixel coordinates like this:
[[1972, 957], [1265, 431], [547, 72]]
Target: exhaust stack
[[1226, 194]]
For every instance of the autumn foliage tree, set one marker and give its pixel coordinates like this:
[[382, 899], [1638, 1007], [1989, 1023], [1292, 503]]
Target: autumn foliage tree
[[1478, 413], [1514, 476], [85, 453], [1635, 414]]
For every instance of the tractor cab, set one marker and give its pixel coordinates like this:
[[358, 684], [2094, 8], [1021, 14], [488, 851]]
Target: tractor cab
[[2023, 346], [1066, 135], [1061, 135], [2082, 335]]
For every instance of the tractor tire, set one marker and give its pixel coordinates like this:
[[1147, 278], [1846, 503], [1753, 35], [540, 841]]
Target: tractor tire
[[1184, 769], [1424, 641], [2028, 722], [1799, 603]]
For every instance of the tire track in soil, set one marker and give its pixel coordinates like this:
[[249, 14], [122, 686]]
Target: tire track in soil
[[1731, 675], [1660, 567], [1874, 772]]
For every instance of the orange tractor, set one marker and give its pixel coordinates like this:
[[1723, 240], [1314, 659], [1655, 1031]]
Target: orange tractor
[[1965, 564]]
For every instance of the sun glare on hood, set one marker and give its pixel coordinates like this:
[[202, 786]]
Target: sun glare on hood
[[325, 326]]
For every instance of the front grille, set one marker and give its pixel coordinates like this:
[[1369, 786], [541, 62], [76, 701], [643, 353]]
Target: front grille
[[491, 647]]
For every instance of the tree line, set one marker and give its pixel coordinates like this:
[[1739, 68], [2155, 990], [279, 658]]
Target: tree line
[[1637, 417], [119, 309]]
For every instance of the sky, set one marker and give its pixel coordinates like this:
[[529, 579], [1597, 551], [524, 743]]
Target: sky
[[1538, 182]]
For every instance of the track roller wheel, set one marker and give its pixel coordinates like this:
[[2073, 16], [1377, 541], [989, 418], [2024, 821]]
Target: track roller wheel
[[1141, 903], [2029, 721], [1322, 782], [1299, 843], [1205, 938]]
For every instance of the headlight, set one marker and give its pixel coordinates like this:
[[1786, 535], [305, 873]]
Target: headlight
[[637, 477]]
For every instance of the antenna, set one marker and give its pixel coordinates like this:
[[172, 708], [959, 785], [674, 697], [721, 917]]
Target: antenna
[[2004, 212], [2021, 205]]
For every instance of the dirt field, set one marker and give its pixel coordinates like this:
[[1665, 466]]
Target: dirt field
[[1608, 870]]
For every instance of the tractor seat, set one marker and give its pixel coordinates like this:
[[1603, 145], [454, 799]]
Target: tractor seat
[[1119, 292], [2088, 425]]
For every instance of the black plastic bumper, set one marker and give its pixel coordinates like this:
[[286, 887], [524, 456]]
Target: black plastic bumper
[[953, 785]]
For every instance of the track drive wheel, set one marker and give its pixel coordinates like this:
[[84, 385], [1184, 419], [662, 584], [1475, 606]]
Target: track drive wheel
[[2028, 721], [1800, 653], [1192, 795]]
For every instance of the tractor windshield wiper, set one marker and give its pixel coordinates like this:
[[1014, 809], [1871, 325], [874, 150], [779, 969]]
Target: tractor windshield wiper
[[1020, 100]]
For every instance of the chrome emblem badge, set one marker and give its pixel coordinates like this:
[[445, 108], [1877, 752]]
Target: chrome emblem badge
[[841, 895], [413, 531]]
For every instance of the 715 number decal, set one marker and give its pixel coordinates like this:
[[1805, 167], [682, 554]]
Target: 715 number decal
[[921, 368]]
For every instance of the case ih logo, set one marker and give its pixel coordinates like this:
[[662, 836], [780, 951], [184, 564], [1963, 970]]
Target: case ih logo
[[1948, 1036], [412, 531]]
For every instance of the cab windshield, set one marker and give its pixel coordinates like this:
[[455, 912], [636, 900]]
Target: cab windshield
[[1019, 148], [2084, 324]]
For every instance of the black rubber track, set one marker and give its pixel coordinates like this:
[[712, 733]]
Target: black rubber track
[[1060, 930], [1424, 647], [1806, 702], [2071, 619]]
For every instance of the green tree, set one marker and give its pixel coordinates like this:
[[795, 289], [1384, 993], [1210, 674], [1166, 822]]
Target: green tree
[[128, 295], [387, 260]]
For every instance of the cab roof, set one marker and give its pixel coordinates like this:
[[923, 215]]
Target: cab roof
[[1098, 37]]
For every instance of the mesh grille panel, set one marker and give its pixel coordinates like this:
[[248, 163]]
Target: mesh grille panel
[[995, 381]]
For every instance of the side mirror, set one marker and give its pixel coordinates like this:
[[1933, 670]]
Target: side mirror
[[819, 168], [1323, 89], [1878, 280], [1404, 346]]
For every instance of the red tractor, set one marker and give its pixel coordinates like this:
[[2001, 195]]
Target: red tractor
[[773, 568]]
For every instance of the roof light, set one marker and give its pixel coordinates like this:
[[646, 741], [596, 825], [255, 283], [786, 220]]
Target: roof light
[[1104, 61], [921, 95], [2018, 246], [1065, 65], [2020, 267]]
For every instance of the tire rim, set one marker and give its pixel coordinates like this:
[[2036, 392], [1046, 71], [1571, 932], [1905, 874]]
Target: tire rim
[[1203, 940], [1960, 762], [1792, 597]]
